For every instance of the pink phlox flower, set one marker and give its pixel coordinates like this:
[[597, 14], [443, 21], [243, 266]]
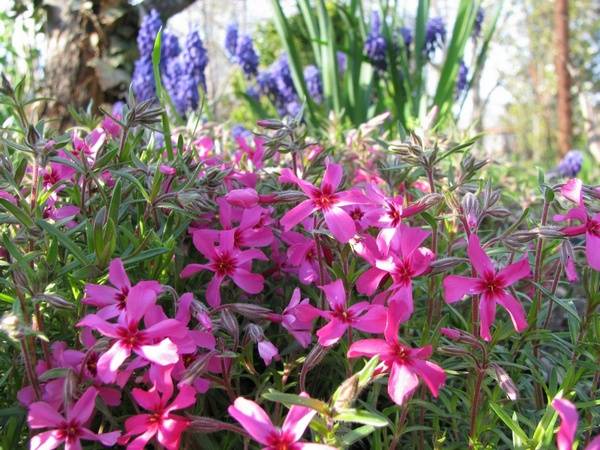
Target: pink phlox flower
[[159, 421], [297, 318], [112, 300], [63, 214], [362, 316], [328, 200], [568, 425], [152, 344], [590, 226], [572, 190], [57, 172], [68, 429], [492, 285], [252, 229], [224, 261], [404, 364], [8, 197], [254, 153], [89, 146], [257, 423], [399, 256], [302, 254]]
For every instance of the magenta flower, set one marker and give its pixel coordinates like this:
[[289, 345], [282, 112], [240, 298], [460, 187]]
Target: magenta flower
[[113, 300], [68, 430], [568, 426], [362, 315], [405, 364], [572, 190], [302, 253], [152, 344], [492, 285], [257, 423], [327, 200], [400, 257], [159, 421], [590, 226], [226, 261], [297, 318]]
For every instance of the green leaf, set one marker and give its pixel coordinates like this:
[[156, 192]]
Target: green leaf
[[64, 240], [292, 399], [357, 434], [17, 213], [509, 422], [361, 416]]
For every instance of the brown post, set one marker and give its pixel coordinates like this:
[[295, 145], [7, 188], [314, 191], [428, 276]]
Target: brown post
[[561, 62]]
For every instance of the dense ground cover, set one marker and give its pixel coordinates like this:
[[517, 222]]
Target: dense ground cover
[[203, 287]]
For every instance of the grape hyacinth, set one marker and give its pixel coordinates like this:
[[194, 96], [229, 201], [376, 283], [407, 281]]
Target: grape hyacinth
[[435, 35], [478, 22], [246, 56], [149, 28], [194, 59], [231, 40], [314, 84], [375, 44], [143, 80], [461, 79], [169, 48], [342, 62], [571, 164], [407, 36]]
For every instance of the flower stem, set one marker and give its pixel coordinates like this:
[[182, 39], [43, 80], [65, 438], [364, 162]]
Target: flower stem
[[475, 406]]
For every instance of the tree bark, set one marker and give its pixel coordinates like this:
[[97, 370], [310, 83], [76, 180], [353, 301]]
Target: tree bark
[[561, 62], [86, 41]]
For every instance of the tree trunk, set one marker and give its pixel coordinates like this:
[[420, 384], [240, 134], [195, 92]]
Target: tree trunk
[[91, 46], [561, 62]]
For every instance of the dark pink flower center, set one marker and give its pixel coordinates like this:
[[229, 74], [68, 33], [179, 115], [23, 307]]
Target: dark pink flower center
[[324, 198], [224, 264], [69, 431], [131, 337], [238, 239], [91, 363], [593, 227], [343, 314], [280, 441], [155, 418], [394, 213], [357, 213], [401, 353], [51, 178], [121, 297], [403, 273], [492, 284]]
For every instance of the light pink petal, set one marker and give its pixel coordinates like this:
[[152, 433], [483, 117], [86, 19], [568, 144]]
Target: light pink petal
[[297, 420], [410, 238], [571, 270], [250, 282], [297, 214], [192, 269], [400, 308], [333, 176], [456, 287], [373, 321], [340, 224], [170, 431], [117, 275], [568, 423], [168, 327], [433, 375], [515, 272], [84, 407], [139, 443], [578, 213], [98, 295], [204, 242], [402, 383], [571, 190], [213, 291], [368, 282], [47, 440], [96, 323], [480, 260], [331, 333], [42, 415], [335, 294], [253, 418], [164, 353], [368, 348], [420, 260], [141, 297], [245, 198], [515, 310], [185, 398], [487, 314], [267, 351], [107, 439], [592, 250], [111, 360]]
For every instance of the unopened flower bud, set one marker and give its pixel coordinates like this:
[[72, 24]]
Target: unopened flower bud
[[244, 198], [230, 324], [250, 311], [255, 333], [270, 124], [197, 368], [200, 424], [54, 300], [445, 264], [504, 381]]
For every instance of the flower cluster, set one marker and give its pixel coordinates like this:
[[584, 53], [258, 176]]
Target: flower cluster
[[240, 50], [435, 35], [375, 45]]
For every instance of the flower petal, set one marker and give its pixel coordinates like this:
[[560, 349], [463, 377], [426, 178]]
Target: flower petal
[[332, 332], [369, 280], [456, 287], [568, 423], [592, 250], [514, 272], [297, 214], [213, 291], [163, 353], [297, 420], [252, 283], [402, 383], [333, 176], [253, 418], [408, 239], [111, 360], [335, 294], [149, 400], [487, 314], [340, 224], [368, 348], [433, 375], [117, 275], [515, 310], [42, 415], [47, 440], [83, 409], [480, 260], [373, 321]]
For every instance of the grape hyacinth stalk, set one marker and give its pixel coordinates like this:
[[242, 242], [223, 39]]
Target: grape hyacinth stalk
[[246, 56], [435, 35], [375, 44]]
